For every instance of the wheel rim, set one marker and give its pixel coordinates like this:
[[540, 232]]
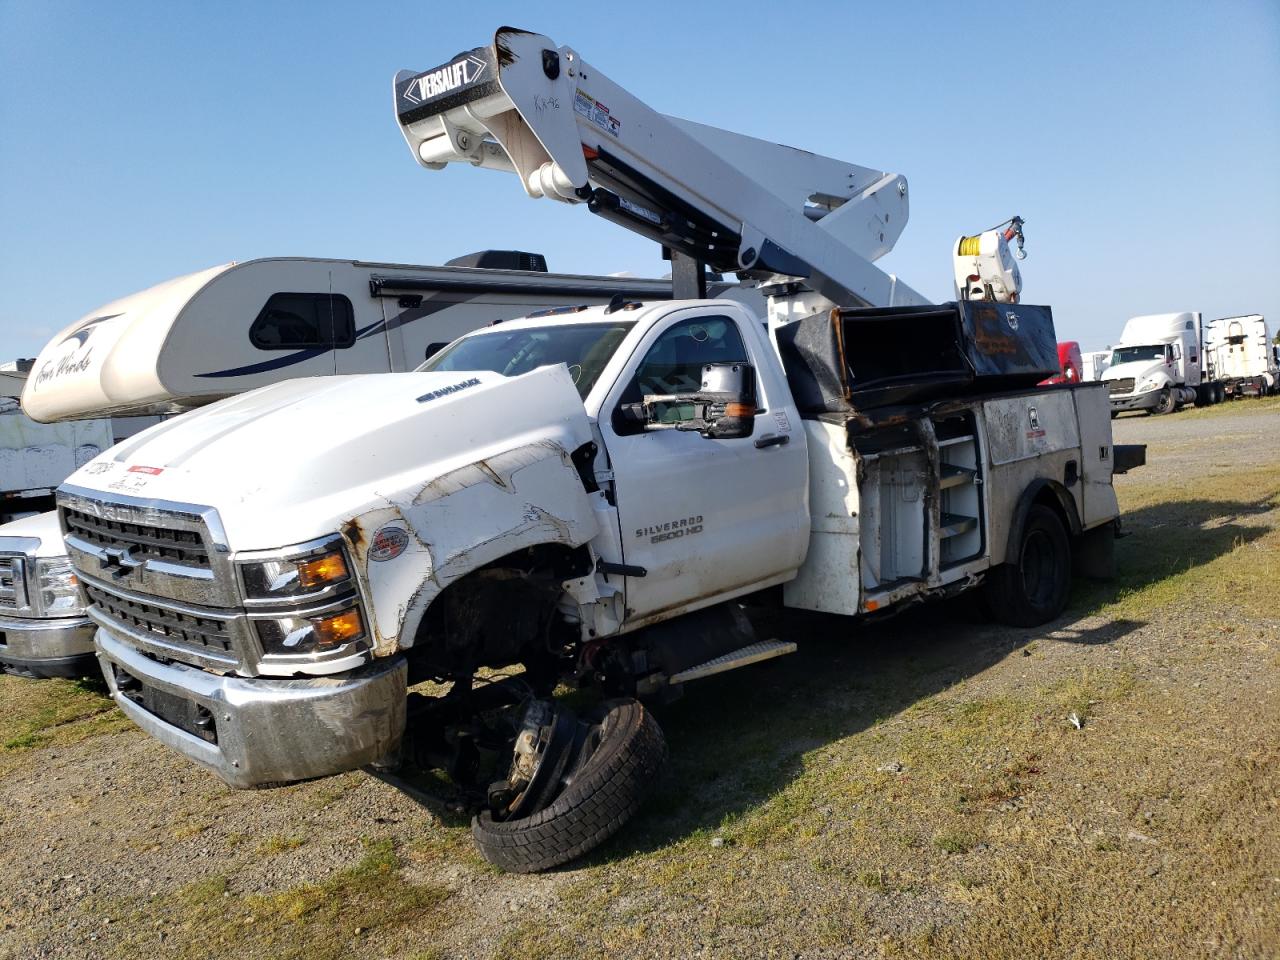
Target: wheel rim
[[1039, 569]]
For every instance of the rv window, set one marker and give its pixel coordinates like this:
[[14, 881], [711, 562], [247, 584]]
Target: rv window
[[292, 321]]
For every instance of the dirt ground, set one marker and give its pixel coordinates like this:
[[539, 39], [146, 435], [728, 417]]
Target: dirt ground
[[930, 786]]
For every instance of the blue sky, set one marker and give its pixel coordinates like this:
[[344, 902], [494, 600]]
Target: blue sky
[[1141, 141]]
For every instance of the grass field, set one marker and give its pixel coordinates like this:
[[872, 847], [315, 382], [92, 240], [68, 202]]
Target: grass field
[[931, 786]]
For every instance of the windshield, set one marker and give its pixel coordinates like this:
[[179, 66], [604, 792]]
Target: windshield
[[584, 348], [1130, 354]]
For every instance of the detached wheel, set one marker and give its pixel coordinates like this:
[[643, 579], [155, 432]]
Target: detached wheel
[[1164, 403], [617, 763], [1032, 586]]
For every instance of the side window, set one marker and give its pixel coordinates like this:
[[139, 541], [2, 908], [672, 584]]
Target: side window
[[292, 321], [674, 363]]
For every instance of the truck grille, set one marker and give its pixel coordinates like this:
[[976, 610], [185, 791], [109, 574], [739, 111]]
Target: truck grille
[[12, 589], [1123, 385], [143, 541], [208, 635]]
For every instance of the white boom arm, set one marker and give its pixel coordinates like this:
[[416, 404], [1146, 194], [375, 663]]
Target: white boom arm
[[735, 203]]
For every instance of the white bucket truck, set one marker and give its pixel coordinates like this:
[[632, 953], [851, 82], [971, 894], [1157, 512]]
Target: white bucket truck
[[588, 493]]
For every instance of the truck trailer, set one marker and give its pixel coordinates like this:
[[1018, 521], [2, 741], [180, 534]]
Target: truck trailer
[[588, 495], [1242, 354]]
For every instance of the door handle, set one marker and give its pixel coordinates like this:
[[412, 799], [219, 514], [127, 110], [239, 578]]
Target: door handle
[[772, 440]]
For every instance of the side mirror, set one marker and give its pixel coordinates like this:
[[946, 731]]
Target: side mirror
[[724, 408]]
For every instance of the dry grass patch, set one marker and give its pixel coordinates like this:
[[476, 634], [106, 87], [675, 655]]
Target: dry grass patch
[[40, 713], [1214, 537], [1245, 405], [350, 912]]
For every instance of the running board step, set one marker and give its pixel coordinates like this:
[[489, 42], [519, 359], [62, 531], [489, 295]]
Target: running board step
[[754, 653]]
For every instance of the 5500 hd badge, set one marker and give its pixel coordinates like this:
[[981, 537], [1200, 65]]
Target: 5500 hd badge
[[672, 530]]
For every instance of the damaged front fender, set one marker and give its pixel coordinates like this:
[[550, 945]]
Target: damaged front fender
[[415, 543]]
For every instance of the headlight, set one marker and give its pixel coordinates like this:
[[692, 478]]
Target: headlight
[[320, 633], [305, 570], [1148, 384], [57, 588]]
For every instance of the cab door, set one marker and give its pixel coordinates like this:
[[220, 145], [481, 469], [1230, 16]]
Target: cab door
[[705, 517]]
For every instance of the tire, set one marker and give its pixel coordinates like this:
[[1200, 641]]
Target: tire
[[1164, 403], [605, 793], [1219, 393], [1032, 587]]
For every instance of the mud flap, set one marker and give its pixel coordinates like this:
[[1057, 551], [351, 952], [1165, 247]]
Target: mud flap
[[1094, 553]]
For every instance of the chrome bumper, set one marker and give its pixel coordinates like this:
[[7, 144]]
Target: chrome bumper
[[61, 647], [265, 730], [1142, 401]]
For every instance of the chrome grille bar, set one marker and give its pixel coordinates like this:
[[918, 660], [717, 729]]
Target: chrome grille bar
[[13, 591]]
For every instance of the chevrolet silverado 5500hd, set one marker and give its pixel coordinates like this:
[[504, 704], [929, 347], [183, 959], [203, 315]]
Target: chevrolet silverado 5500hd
[[587, 494]]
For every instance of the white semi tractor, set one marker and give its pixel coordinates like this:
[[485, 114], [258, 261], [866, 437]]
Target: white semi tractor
[[1159, 365], [198, 338], [589, 493], [1165, 361]]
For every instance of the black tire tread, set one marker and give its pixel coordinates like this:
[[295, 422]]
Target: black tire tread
[[1004, 592], [605, 795]]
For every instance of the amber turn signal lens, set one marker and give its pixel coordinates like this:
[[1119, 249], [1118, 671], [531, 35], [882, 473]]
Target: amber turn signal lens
[[322, 570], [739, 410], [338, 629]]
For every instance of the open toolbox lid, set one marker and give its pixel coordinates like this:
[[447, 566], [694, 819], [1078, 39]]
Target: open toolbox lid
[[858, 359]]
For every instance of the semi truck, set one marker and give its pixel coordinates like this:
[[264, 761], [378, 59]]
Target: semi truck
[[1093, 364], [1159, 365], [1070, 365], [1243, 355], [587, 496], [218, 332]]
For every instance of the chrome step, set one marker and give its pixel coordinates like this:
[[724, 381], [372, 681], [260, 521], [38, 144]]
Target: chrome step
[[754, 653], [952, 475], [953, 524]]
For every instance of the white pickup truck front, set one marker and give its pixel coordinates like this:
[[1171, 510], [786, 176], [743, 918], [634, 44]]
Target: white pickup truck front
[[43, 628]]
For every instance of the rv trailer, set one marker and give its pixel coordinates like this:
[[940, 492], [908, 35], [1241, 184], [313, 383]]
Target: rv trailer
[[222, 331]]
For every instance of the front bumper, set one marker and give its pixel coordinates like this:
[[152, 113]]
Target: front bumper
[[1140, 401], [262, 730], [61, 647]]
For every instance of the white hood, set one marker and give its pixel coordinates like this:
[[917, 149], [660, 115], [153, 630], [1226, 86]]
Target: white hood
[[1139, 370], [294, 460], [15, 536]]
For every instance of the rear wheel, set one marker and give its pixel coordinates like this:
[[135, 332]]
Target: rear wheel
[[1031, 587], [619, 755]]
